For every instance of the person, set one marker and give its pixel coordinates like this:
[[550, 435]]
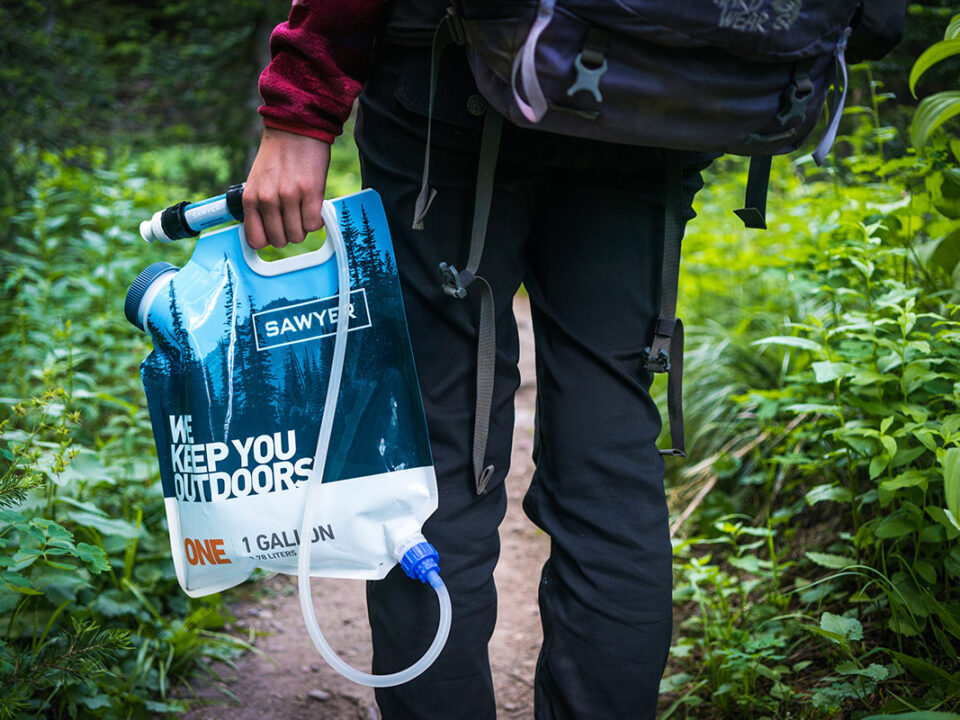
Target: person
[[579, 223]]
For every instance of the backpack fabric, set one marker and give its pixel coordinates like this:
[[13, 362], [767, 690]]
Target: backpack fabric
[[747, 77]]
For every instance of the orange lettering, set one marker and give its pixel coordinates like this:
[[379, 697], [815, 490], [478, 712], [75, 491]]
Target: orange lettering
[[201, 552], [191, 551], [219, 554]]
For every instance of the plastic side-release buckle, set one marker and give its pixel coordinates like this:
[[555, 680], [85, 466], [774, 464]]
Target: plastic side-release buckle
[[797, 98], [452, 282], [658, 354], [657, 362]]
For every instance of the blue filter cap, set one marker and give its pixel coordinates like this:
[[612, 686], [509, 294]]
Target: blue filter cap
[[139, 288], [420, 560]]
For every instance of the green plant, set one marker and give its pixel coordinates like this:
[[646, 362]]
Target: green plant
[[936, 109], [830, 368], [85, 570]]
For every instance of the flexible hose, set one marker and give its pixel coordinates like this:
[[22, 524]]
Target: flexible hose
[[313, 500]]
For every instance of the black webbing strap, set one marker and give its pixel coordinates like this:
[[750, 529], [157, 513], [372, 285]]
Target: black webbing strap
[[450, 30], [665, 354], [455, 284], [754, 210]]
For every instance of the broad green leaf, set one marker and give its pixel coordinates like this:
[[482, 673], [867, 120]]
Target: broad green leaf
[[933, 534], [94, 556], [674, 682], [930, 57], [114, 603], [827, 560], [9, 517], [953, 28], [847, 628], [790, 341], [926, 439], [907, 456], [873, 671], [926, 571], [63, 585], [946, 519], [869, 376], [878, 464], [950, 424], [18, 582], [835, 493], [819, 408], [57, 535], [894, 526], [103, 524], [951, 480], [932, 112], [951, 562], [95, 702], [910, 478], [828, 371], [86, 467], [944, 190], [908, 594], [747, 563], [915, 374], [907, 626], [942, 252]]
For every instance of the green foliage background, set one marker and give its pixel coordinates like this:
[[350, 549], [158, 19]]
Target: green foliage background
[[815, 524]]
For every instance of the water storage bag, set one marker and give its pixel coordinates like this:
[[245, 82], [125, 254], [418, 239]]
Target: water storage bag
[[243, 371]]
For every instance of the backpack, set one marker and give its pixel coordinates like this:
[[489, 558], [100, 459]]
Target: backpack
[[747, 77]]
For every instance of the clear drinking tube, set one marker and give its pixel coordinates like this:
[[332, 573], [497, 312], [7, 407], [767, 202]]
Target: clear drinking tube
[[429, 574]]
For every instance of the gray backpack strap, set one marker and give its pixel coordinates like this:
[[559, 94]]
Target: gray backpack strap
[[450, 30], [665, 353], [455, 283]]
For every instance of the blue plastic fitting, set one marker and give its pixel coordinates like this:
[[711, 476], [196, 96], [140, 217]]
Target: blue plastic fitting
[[422, 562]]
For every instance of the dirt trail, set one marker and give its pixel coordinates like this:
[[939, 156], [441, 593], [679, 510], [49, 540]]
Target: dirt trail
[[288, 680]]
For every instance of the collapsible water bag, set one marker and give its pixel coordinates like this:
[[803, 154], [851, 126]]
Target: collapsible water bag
[[268, 458]]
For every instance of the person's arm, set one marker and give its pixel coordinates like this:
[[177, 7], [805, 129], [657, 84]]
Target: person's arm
[[319, 60]]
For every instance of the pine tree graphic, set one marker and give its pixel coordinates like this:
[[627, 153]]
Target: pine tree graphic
[[231, 392], [367, 257], [180, 335], [349, 233], [261, 379]]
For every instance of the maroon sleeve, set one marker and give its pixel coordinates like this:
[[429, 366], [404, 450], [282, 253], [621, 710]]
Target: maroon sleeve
[[319, 61]]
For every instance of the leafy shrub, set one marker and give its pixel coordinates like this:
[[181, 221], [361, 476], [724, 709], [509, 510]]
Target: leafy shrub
[[91, 619], [817, 568]]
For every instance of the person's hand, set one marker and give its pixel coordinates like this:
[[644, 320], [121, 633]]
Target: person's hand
[[284, 192]]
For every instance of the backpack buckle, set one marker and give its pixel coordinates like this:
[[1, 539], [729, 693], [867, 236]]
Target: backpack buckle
[[797, 98], [658, 362], [450, 281]]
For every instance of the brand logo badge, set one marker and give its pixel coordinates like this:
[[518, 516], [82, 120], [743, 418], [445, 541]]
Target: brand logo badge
[[758, 16], [309, 320]]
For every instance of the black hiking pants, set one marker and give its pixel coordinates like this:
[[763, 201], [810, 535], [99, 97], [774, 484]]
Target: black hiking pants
[[580, 224]]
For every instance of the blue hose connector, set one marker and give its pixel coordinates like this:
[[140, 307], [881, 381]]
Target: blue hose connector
[[422, 562]]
